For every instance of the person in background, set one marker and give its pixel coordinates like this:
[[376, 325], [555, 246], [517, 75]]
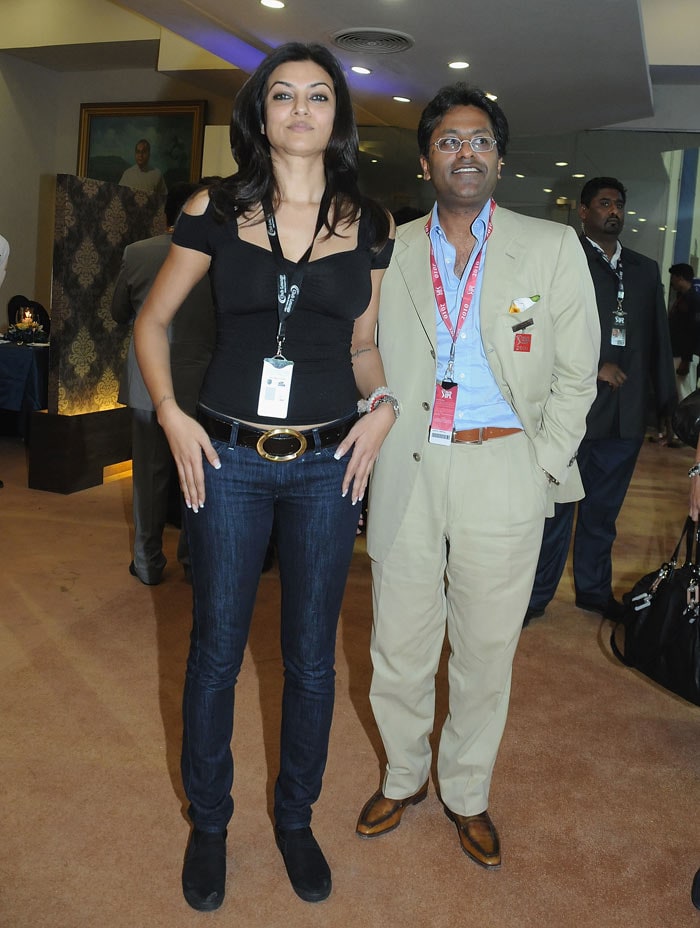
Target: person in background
[[296, 256], [4, 256], [635, 348], [139, 175], [684, 325], [191, 335], [489, 332]]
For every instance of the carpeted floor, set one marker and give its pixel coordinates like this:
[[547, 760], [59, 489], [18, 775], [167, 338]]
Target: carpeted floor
[[596, 792]]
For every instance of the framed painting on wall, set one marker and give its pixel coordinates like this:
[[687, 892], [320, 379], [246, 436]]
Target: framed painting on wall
[[147, 146]]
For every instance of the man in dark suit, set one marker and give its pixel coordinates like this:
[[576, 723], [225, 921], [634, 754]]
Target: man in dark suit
[[191, 344], [634, 348]]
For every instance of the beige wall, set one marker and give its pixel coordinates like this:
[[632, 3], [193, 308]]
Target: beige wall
[[29, 99], [40, 114]]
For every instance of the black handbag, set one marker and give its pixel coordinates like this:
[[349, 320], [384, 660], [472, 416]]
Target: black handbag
[[686, 419], [662, 622]]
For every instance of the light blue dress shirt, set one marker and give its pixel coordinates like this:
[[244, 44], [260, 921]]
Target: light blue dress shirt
[[479, 401]]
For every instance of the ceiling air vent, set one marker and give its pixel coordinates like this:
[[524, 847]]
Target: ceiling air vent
[[372, 41]]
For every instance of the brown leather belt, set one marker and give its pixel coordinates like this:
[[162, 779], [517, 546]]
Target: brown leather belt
[[276, 444], [478, 436]]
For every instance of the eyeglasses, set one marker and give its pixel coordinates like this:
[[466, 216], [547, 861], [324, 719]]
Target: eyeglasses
[[452, 145]]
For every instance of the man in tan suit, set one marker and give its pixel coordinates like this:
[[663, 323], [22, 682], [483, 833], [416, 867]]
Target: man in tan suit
[[489, 333]]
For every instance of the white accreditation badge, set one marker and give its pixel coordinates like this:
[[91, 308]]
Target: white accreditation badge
[[275, 387], [444, 409]]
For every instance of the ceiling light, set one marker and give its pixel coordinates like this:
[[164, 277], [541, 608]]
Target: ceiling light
[[641, 219], [402, 99], [635, 230], [561, 164], [359, 70], [458, 65], [419, 176], [374, 160], [492, 96], [631, 212], [547, 189], [578, 175], [520, 175], [273, 4]]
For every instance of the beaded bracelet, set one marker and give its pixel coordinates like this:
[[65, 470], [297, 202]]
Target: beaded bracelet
[[387, 398], [376, 397], [694, 470]]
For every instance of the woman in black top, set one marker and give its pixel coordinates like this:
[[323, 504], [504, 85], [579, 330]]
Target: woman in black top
[[295, 255]]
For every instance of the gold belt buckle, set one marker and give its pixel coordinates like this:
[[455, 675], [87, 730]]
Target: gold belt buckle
[[272, 433]]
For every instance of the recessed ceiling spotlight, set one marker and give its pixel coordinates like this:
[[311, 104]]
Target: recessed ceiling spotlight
[[492, 96], [520, 175], [359, 70], [662, 228], [374, 160], [561, 164], [273, 4], [641, 219], [402, 99], [635, 230], [631, 212], [547, 189], [458, 65], [578, 175], [419, 176]]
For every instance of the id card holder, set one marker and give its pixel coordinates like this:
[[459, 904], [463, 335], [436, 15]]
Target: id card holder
[[443, 420], [275, 387], [618, 333], [618, 336]]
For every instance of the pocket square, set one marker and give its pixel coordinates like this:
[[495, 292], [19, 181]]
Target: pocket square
[[523, 303]]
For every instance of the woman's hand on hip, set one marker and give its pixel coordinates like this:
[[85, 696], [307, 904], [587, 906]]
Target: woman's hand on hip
[[365, 438]]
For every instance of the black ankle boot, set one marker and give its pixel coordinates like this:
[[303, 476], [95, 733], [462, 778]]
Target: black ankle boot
[[204, 870], [307, 869]]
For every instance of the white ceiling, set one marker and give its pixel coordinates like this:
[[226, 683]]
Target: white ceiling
[[556, 65]]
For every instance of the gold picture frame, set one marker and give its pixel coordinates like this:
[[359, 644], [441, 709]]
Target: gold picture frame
[[109, 133]]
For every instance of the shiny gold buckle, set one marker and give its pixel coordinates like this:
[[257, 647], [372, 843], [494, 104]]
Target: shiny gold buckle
[[272, 433]]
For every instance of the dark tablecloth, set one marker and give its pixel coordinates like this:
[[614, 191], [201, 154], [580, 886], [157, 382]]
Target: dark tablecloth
[[23, 377]]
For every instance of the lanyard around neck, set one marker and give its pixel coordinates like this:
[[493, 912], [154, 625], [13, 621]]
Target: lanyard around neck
[[617, 271], [289, 288], [467, 295]]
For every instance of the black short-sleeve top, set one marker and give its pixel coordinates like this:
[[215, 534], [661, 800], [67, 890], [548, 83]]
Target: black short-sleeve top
[[335, 290]]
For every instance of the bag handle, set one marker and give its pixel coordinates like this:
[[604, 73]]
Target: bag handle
[[691, 533]]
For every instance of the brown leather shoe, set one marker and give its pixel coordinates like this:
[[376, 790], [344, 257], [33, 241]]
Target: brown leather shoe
[[381, 815], [478, 837]]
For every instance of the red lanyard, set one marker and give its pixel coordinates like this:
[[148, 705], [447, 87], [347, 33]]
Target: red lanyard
[[469, 289]]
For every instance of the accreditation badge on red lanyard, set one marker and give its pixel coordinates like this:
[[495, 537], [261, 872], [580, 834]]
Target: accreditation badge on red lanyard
[[445, 404]]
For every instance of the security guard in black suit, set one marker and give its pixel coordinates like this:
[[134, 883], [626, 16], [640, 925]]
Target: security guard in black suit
[[634, 348]]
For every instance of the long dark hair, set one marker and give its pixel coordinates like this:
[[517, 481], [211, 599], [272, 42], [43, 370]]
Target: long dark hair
[[251, 150]]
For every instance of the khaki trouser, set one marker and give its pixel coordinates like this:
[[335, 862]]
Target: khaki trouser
[[487, 503]]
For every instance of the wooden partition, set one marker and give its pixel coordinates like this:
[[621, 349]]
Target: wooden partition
[[84, 428]]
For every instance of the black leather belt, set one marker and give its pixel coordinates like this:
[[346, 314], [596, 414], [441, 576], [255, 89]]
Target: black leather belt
[[276, 444]]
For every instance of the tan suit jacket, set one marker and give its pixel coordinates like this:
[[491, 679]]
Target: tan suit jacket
[[550, 387]]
